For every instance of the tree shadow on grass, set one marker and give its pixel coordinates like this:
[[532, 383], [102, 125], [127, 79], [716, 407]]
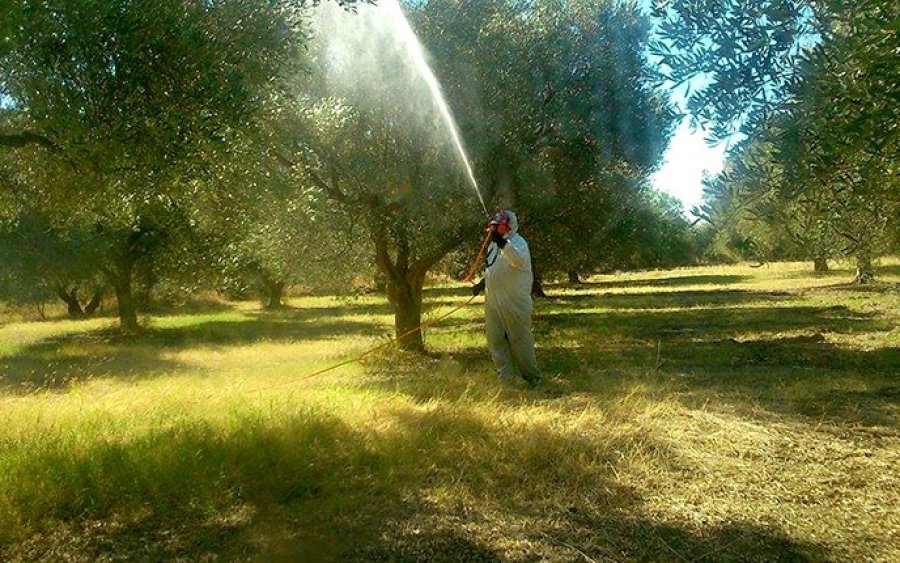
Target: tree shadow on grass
[[844, 271], [286, 313], [875, 287], [709, 324], [341, 309], [773, 357], [55, 363], [888, 270], [262, 328], [744, 354], [313, 486], [671, 281], [596, 537], [645, 540], [438, 297], [46, 367], [667, 300], [449, 292], [797, 376]]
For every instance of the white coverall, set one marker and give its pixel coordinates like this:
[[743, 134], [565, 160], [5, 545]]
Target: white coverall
[[507, 307]]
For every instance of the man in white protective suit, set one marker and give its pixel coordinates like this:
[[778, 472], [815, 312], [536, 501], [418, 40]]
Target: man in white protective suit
[[507, 301]]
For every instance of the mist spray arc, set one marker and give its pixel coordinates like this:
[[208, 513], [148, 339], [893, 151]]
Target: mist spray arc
[[417, 53]]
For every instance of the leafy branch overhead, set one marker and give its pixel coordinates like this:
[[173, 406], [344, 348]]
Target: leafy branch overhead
[[814, 86]]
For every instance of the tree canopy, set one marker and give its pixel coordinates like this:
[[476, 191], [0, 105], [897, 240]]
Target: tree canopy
[[814, 85], [123, 105], [277, 143]]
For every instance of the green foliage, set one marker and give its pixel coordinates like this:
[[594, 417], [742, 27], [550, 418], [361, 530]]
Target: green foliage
[[202, 141], [750, 49], [665, 237], [840, 146], [622, 224], [814, 85], [119, 109], [293, 240], [557, 103], [553, 100], [138, 87], [40, 261]]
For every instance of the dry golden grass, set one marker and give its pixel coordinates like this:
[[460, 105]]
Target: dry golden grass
[[709, 413]]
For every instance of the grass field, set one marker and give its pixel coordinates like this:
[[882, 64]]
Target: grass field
[[723, 413]]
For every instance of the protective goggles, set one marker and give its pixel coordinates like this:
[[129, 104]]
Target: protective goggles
[[499, 219]]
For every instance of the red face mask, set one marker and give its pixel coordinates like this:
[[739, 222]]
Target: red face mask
[[500, 223]]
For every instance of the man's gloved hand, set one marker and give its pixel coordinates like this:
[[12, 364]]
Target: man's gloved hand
[[478, 288], [498, 239]]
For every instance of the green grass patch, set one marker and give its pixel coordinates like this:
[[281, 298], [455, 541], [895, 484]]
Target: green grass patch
[[728, 413]]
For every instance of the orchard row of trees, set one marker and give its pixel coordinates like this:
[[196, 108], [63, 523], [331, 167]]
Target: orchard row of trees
[[813, 86], [151, 147], [161, 146]]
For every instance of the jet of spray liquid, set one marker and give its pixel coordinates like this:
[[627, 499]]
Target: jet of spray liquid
[[417, 54]]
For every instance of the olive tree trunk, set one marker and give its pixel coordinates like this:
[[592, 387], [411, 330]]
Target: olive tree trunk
[[820, 264], [574, 278], [272, 289], [94, 303], [406, 296], [70, 298], [274, 294], [120, 275], [537, 283], [405, 269], [865, 271], [125, 301]]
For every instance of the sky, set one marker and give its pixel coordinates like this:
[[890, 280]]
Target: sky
[[688, 157]]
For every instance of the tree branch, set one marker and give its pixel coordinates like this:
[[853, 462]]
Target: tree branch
[[428, 260], [378, 229], [330, 189], [25, 138]]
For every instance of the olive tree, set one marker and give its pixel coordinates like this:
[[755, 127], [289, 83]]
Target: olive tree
[[558, 103], [116, 108], [818, 80]]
